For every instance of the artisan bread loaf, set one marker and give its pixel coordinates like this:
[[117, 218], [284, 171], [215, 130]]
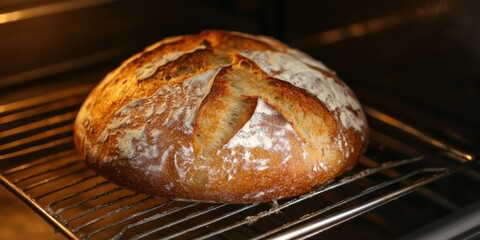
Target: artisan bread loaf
[[221, 117]]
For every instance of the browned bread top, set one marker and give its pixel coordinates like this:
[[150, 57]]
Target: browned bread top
[[221, 117]]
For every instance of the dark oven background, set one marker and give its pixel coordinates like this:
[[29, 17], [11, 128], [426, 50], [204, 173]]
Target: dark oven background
[[417, 60]]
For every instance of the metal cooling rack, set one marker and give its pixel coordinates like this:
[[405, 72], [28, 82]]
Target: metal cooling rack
[[39, 164]]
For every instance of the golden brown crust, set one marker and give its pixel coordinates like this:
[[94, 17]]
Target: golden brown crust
[[221, 117]]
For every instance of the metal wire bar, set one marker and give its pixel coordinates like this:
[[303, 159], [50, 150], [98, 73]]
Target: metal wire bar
[[46, 171], [36, 137], [47, 122], [107, 204], [317, 226], [151, 218], [35, 101], [73, 183], [119, 210], [40, 147], [100, 184], [343, 181], [132, 216], [64, 66], [392, 173], [193, 215], [45, 160], [347, 200], [39, 209], [87, 200], [415, 132], [42, 109], [60, 176], [211, 221]]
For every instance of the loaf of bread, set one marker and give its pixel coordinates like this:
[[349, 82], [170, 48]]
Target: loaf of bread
[[221, 117]]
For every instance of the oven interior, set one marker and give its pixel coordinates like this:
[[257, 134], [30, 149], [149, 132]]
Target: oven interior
[[414, 65]]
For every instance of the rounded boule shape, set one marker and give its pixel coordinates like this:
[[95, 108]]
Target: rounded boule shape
[[221, 117]]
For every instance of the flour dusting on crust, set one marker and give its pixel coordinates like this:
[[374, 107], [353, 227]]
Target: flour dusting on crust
[[307, 59], [253, 136], [136, 141], [275, 44], [335, 96], [149, 69]]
